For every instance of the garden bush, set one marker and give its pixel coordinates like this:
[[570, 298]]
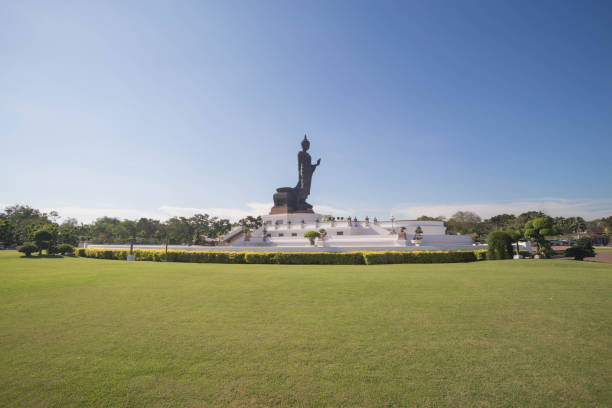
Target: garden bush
[[500, 245], [582, 249], [27, 248], [64, 249]]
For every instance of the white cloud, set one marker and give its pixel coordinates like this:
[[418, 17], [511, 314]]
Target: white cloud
[[231, 213], [326, 209], [556, 207]]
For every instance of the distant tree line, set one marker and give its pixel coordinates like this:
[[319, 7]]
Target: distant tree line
[[19, 224], [467, 222]]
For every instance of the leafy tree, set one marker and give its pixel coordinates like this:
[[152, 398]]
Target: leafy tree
[[582, 249], [571, 225], [312, 235], [528, 216], [515, 236], [27, 248], [5, 233], [68, 234], [43, 239], [428, 218], [502, 220], [104, 230], [463, 222], [251, 223], [179, 229], [220, 227], [22, 223], [537, 229], [499, 245]]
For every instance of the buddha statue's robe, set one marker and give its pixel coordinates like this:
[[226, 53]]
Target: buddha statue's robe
[[305, 170]]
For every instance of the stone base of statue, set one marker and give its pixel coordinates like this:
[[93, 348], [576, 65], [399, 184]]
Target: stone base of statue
[[287, 201]]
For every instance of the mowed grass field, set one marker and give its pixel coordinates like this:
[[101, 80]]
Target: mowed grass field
[[87, 332]]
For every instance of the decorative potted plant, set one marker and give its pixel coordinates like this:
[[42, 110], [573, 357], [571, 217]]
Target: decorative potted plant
[[418, 236], [312, 235]]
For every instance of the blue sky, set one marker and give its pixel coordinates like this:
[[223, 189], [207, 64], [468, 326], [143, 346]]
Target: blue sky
[[166, 108]]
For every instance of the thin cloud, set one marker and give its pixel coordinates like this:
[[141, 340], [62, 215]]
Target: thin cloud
[[556, 207]]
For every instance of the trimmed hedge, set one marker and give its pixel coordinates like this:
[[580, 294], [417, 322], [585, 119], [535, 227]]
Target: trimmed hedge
[[397, 257], [289, 258]]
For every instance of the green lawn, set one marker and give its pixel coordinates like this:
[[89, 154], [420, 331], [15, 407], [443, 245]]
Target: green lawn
[[88, 332]]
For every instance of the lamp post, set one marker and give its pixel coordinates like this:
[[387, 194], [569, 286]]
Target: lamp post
[[167, 239], [131, 256]]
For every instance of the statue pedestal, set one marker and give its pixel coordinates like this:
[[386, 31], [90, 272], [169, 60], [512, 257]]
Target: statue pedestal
[[286, 202]]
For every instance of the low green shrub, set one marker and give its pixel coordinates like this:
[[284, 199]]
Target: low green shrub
[[27, 248], [64, 249], [582, 249]]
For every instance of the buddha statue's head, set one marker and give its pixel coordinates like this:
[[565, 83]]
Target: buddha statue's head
[[305, 143]]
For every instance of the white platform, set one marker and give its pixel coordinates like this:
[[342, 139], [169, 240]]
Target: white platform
[[287, 230]]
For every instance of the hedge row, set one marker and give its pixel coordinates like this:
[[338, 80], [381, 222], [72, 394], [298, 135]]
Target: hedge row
[[290, 258]]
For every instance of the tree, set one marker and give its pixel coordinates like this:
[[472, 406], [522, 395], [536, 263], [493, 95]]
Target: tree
[[220, 227], [463, 222], [571, 225], [515, 236], [104, 230], [428, 218], [499, 245], [22, 223], [27, 248], [582, 249], [179, 230], [502, 220], [43, 239], [537, 229], [5, 233], [250, 223], [312, 235], [528, 216]]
